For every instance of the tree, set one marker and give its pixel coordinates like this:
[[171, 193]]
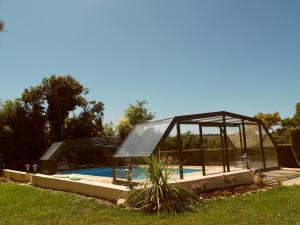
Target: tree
[[133, 115], [7, 142], [23, 130], [296, 117], [7, 139], [270, 120], [282, 134], [31, 123], [108, 130], [57, 96], [88, 123]]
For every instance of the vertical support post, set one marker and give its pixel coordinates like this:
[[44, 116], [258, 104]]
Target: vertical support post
[[222, 146], [244, 137], [202, 150], [226, 143], [179, 140], [262, 146], [113, 171], [241, 138]]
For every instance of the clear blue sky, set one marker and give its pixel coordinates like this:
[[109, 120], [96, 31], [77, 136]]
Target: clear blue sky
[[183, 57]]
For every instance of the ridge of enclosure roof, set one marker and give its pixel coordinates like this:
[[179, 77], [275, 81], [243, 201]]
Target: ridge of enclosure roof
[[207, 115]]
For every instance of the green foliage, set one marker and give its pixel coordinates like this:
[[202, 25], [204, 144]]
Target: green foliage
[[260, 179], [88, 123], [282, 135], [295, 142], [297, 115], [199, 187], [41, 116], [26, 138], [270, 119], [55, 98], [191, 141], [158, 193], [7, 141], [108, 130], [135, 114], [286, 156], [61, 95]]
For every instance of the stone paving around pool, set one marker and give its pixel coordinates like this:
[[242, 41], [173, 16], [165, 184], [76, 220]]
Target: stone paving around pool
[[288, 176]]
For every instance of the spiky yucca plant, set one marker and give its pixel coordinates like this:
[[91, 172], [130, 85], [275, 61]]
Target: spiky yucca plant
[[157, 193]]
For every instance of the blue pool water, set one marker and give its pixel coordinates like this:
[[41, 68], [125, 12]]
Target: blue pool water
[[139, 172]]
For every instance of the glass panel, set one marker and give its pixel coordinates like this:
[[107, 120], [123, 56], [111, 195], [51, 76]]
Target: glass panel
[[48, 154], [170, 148], [270, 150], [143, 139], [213, 150], [235, 150], [253, 147], [68, 160], [191, 152]]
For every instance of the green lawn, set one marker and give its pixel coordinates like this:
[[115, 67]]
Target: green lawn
[[27, 205]]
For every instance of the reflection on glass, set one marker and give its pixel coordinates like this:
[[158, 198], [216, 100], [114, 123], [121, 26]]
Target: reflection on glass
[[50, 152], [235, 150], [270, 150], [253, 147], [143, 139], [213, 150]]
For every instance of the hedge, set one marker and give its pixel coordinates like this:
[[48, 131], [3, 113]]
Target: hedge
[[295, 142], [286, 156]]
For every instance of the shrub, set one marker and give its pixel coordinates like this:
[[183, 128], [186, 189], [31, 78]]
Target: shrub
[[286, 156], [157, 192], [295, 141], [279, 180], [260, 179], [3, 180], [199, 187], [229, 181]]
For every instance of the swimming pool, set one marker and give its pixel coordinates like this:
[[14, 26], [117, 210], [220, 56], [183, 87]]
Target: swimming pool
[[139, 172]]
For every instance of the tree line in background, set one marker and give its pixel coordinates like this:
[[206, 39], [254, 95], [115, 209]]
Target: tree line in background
[[55, 110], [58, 109], [281, 128]]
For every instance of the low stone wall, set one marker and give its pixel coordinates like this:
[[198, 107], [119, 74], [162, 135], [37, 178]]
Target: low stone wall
[[217, 181], [16, 175], [113, 193], [103, 191]]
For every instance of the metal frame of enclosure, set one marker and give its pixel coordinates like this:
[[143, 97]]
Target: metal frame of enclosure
[[219, 142], [78, 153]]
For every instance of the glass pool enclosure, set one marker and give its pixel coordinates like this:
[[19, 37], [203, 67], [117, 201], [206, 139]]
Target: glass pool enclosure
[[216, 142]]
